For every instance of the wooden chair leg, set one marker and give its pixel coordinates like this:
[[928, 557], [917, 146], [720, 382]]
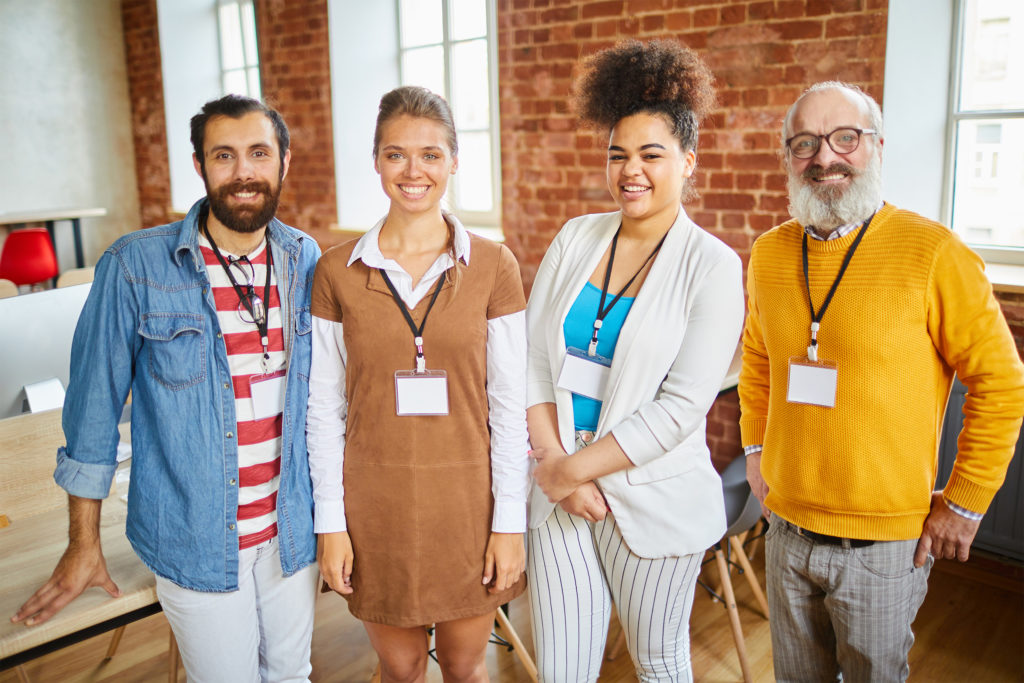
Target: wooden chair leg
[[748, 571], [172, 656], [22, 674], [616, 649], [758, 541], [517, 645], [718, 588], [115, 640], [734, 615]]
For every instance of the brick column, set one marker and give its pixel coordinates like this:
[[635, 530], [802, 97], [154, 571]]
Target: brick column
[[149, 130], [296, 78]]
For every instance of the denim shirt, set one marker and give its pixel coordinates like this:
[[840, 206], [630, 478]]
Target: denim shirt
[[150, 325]]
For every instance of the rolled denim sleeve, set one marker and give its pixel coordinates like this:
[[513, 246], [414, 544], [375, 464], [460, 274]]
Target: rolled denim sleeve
[[102, 360], [83, 479]]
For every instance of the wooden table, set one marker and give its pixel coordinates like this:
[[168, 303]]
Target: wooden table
[[75, 215], [36, 537]]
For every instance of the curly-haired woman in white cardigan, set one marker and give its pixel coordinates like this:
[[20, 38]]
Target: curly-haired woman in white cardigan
[[633, 320]]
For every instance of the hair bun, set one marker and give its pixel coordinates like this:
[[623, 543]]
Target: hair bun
[[631, 77]]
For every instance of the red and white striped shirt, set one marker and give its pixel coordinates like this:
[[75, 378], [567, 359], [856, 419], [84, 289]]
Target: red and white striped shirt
[[259, 441]]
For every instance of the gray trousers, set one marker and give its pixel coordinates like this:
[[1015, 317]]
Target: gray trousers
[[841, 613]]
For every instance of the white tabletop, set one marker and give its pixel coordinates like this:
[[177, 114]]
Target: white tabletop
[[50, 215]]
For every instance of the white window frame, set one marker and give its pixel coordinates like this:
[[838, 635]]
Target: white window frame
[[248, 68], [481, 219], [1009, 255]]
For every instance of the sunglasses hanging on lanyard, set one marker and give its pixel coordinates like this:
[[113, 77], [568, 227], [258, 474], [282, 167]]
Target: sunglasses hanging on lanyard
[[267, 389]]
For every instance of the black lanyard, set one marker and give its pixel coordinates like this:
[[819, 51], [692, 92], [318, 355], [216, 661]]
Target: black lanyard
[[417, 332], [261, 321], [812, 350], [602, 311]]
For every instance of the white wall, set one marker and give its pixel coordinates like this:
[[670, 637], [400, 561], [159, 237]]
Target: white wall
[[364, 66], [65, 118], [916, 99]]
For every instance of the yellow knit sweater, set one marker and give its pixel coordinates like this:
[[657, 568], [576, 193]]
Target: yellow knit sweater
[[913, 308]]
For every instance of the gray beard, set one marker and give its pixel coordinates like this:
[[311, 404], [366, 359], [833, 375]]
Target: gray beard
[[827, 208]]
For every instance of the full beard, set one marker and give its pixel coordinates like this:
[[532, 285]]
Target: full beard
[[828, 207], [245, 220]]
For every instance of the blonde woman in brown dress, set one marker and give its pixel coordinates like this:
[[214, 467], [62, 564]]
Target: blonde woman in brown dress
[[417, 422]]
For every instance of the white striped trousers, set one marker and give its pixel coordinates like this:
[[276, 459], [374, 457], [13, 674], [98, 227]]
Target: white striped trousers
[[576, 571]]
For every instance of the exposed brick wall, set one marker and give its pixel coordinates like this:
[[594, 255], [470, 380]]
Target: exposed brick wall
[[295, 74], [1013, 309], [296, 79], [723, 430], [763, 55], [146, 91]]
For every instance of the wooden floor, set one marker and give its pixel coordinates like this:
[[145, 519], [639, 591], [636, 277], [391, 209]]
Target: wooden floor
[[971, 628]]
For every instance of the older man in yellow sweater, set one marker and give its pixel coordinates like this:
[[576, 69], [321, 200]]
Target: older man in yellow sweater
[[860, 313]]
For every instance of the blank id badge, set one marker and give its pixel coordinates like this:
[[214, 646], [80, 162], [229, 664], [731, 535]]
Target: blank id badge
[[421, 393], [267, 393], [584, 374], [812, 382]]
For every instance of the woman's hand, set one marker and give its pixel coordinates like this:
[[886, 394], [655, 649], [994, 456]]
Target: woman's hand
[[586, 502], [553, 473], [334, 555], [504, 561]]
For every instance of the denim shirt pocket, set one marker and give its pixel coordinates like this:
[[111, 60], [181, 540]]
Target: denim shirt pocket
[[174, 352], [303, 320]]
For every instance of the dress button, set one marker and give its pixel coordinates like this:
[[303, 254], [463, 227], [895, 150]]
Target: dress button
[[219, 335], [231, 481], [227, 385], [230, 435], [231, 526]]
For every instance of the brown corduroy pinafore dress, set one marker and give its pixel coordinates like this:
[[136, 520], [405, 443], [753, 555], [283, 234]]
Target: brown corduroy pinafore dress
[[418, 489]]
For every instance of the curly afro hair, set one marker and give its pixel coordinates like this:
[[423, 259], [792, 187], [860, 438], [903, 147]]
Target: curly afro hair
[[661, 76]]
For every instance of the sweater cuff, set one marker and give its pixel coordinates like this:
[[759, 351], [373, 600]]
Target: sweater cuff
[[752, 430], [966, 494]]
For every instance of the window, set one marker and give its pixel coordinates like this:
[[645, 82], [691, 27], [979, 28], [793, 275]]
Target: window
[[207, 49], [448, 46], [985, 173], [239, 61]]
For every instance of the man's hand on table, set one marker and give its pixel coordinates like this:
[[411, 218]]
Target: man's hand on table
[[82, 566]]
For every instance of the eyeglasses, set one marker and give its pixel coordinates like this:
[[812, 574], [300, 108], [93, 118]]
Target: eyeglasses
[[841, 141], [250, 307]]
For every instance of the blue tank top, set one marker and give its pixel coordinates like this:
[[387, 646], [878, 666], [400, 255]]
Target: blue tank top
[[578, 329]]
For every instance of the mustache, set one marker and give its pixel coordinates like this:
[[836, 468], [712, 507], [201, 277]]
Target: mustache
[[258, 186], [817, 171]]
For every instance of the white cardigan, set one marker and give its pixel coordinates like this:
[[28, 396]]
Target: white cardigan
[[672, 354]]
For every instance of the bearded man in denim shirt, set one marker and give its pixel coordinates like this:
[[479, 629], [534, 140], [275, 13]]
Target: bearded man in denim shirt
[[207, 322]]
